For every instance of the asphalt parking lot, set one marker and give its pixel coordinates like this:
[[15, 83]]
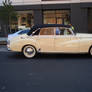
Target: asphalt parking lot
[[45, 73]]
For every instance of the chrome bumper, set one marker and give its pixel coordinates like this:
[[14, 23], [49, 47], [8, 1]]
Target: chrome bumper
[[8, 47]]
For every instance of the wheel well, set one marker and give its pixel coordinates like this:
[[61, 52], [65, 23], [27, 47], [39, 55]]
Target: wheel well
[[90, 48], [28, 45]]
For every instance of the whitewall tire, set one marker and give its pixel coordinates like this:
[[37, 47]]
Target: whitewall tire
[[90, 51], [29, 51]]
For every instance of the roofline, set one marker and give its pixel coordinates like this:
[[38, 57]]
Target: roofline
[[50, 25], [45, 25]]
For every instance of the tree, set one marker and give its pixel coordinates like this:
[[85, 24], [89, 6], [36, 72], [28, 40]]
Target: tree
[[7, 13]]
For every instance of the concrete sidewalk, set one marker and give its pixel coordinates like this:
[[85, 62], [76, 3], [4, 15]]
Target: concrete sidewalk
[[3, 40]]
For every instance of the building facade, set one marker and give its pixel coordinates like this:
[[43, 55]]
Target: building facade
[[75, 12]]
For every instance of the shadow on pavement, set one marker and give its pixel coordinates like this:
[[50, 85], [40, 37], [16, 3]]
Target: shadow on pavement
[[51, 56]]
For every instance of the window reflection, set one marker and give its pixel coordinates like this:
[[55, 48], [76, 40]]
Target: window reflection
[[56, 17]]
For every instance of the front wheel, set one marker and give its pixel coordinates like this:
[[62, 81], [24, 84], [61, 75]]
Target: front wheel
[[29, 51], [90, 51]]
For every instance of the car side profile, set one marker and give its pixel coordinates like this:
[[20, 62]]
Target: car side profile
[[51, 38]]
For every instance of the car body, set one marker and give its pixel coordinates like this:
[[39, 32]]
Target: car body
[[51, 38], [20, 32]]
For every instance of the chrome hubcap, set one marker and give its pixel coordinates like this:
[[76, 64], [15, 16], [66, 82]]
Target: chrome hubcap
[[29, 50]]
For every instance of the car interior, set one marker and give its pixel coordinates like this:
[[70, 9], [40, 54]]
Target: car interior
[[52, 31]]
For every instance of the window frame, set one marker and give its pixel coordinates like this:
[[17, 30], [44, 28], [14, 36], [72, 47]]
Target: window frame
[[72, 33]]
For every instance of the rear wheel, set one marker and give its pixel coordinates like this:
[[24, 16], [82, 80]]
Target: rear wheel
[[90, 51], [29, 51]]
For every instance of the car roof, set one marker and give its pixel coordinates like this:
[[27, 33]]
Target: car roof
[[46, 25]]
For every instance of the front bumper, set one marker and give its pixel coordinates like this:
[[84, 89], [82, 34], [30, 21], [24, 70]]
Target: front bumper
[[8, 47]]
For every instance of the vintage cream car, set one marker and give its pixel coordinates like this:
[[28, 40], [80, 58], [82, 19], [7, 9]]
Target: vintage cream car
[[51, 38]]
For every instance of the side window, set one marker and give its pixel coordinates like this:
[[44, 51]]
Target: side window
[[36, 32], [47, 31], [63, 31], [67, 32], [57, 31], [60, 30]]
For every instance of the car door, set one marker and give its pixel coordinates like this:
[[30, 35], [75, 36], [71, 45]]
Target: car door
[[46, 39], [66, 41]]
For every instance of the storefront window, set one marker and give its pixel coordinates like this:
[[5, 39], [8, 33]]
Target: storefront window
[[56, 17], [25, 19]]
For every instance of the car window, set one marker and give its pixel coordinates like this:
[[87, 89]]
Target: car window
[[36, 32], [23, 32], [60, 30], [47, 31], [67, 32], [63, 31]]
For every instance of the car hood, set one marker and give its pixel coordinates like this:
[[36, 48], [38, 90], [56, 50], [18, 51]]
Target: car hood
[[12, 36], [84, 35]]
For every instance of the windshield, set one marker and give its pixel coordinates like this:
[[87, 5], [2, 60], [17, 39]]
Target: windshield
[[23, 31]]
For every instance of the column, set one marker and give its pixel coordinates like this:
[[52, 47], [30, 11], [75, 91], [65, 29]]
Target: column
[[38, 16], [76, 17]]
